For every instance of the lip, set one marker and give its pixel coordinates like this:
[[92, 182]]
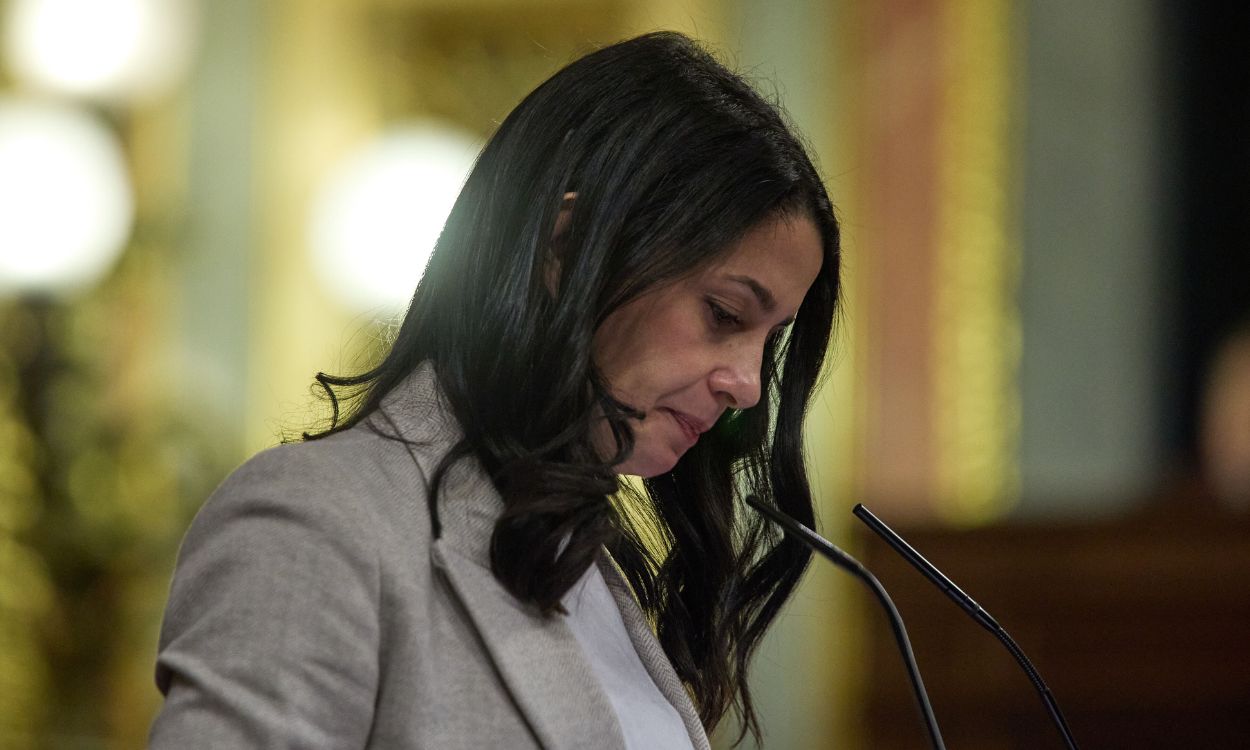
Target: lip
[[692, 428]]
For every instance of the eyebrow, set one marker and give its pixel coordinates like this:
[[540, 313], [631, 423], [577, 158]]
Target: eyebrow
[[765, 297]]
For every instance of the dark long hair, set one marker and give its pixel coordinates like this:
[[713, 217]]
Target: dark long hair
[[672, 158]]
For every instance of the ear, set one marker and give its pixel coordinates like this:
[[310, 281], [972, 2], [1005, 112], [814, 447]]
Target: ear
[[551, 269]]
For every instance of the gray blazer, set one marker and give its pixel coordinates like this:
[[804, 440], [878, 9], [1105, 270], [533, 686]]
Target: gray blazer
[[311, 608]]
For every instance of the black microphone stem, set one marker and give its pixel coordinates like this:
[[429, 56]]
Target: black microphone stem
[[841, 559], [973, 609]]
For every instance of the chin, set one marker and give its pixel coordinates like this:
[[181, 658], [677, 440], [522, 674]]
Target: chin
[[649, 463]]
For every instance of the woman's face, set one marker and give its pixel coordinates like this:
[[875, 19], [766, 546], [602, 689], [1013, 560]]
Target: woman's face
[[684, 353]]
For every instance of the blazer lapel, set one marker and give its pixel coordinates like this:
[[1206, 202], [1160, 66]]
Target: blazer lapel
[[652, 654], [539, 658]]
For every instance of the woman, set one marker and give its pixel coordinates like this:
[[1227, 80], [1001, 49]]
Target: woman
[[640, 277]]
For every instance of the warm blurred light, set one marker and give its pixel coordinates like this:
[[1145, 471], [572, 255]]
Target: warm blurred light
[[65, 200], [377, 217], [1225, 423], [116, 50]]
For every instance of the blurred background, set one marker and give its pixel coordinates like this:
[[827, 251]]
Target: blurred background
[[1043, 376]]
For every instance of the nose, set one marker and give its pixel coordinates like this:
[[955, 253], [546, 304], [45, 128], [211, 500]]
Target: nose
[[737, 381]]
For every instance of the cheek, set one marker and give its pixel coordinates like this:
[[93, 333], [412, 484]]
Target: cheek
[[670, 361], [644, 347], [619, 342]]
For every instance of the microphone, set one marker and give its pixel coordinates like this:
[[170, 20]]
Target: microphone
[[841, 559], [974, 610]]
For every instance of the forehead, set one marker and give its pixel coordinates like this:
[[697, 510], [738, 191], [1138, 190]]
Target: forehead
[[783, 254]]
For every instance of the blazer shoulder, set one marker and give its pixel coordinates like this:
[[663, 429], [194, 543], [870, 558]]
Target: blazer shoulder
[[356, 492], [292, 542], [355, 468]]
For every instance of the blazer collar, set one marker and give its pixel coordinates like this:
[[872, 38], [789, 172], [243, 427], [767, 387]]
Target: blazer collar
[[539, 658], [417, 412]]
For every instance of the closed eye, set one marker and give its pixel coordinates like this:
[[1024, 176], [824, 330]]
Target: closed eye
[[722, 317]]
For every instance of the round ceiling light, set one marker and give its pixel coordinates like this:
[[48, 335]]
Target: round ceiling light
[[376, 218], [66, 206]]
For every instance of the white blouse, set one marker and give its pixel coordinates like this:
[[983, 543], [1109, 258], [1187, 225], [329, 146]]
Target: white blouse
[[648, 721]]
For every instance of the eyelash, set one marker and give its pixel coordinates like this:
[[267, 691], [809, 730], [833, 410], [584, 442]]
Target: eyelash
[[723, 317]]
